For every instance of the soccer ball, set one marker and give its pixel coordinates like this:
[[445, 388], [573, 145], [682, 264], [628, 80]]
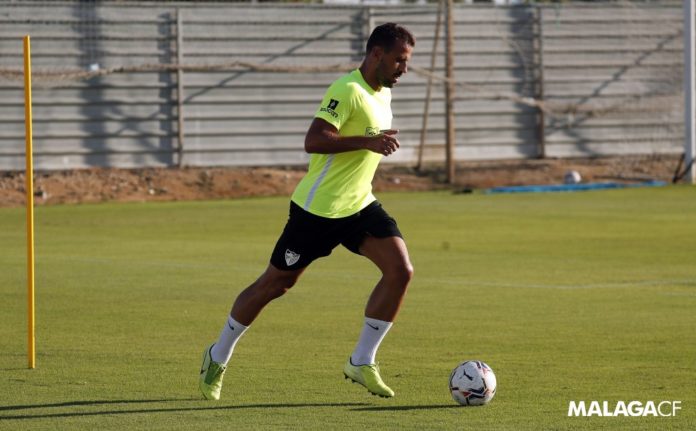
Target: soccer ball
[[572, 177], [472, 383]]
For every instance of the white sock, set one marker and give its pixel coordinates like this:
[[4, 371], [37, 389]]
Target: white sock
[[372, 334], [222, 350]]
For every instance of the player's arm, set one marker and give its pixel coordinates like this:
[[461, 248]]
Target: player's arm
[[323, 138]]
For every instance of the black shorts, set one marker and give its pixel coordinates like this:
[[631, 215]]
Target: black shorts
[[307, 237]]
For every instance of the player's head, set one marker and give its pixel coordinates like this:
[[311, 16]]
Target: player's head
[[390, 45]]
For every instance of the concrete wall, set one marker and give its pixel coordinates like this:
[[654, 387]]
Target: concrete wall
[[611, 76]]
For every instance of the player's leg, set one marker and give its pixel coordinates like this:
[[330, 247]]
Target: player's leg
[[391, 257], [305, 238], [272, 284]]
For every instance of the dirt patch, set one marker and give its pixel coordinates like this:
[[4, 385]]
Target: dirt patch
[[139, 185]]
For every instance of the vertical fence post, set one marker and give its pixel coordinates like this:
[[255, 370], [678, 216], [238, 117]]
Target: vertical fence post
[[369, 21], [689, 92], [180, 87], [541, 119], [428, 91], [449, 92]]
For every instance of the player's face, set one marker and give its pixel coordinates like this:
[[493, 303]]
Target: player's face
[[393, 64]]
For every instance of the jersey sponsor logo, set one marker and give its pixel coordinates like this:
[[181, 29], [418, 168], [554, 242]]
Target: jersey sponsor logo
[[371, 131], [291, 257], [331, 108]]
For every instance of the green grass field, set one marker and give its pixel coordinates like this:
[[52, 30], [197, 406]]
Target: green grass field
[[568, 297]]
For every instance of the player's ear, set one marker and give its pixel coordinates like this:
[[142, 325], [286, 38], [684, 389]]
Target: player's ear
[[377, 52]]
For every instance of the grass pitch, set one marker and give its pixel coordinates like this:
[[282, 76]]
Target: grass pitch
[[568, 297]]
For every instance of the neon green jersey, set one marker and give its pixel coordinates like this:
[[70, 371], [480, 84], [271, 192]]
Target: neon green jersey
[[340, 184]]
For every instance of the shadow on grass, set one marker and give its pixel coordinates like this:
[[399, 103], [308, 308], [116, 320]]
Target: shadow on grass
[[87, 403], [41, 415], [405, 408]]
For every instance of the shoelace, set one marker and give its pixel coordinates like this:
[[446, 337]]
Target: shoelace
[[374, 366]]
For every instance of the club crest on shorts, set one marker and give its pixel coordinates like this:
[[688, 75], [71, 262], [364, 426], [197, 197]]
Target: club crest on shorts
[[291, 257]]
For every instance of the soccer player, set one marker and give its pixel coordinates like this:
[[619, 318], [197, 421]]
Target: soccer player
[[333, 204]]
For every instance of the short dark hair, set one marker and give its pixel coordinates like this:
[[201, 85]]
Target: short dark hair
[[386, 35]]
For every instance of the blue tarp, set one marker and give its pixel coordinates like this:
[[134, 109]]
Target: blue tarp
[[572, 187]]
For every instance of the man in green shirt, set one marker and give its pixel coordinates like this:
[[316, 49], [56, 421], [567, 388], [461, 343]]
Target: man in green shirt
[[333, 204]]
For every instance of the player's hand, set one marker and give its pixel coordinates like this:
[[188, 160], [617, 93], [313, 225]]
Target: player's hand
[[385, 143]]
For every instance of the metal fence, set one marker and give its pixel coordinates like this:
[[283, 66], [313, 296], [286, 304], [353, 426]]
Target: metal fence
[[557, 81]]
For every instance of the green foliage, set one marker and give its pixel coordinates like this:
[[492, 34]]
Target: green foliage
[[582, 296]]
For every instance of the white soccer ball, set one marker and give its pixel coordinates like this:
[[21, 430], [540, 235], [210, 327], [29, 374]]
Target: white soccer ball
[[572, 177], [472, 383]]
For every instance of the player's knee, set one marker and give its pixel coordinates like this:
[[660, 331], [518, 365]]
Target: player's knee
[[407, 272], [274, 291], [400, 274], [271, 288], [281, 285], [286, 284]]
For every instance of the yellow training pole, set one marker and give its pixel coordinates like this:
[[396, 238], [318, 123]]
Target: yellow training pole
[[30, 199]]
